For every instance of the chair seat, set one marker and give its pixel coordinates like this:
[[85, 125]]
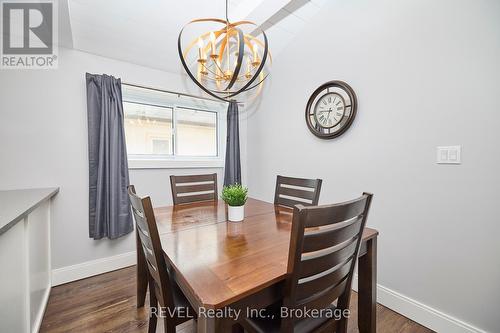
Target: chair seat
[[271, 323]]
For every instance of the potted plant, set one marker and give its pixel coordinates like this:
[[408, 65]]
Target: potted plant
[[235, 197]]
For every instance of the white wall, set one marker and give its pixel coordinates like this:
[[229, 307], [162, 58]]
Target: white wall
[[43, 143], [426, 73]]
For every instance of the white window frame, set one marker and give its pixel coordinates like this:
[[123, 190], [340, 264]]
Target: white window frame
[[185, 162]]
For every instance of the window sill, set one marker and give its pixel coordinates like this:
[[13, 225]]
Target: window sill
[[175, 164]]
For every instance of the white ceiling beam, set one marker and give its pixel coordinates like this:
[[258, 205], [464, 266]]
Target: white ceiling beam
[[258, 11]]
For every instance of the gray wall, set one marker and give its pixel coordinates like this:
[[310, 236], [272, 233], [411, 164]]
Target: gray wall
[[426, 73], [43, 142]]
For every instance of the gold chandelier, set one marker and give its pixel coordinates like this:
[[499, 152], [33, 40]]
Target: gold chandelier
[[225, 60]]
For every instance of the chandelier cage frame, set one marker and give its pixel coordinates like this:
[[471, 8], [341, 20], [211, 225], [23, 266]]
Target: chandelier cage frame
[[227, 31]]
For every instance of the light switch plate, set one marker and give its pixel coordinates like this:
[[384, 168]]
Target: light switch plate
[[449, 155]]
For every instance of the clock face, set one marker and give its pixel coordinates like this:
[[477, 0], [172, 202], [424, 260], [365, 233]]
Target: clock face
[[331, 109]]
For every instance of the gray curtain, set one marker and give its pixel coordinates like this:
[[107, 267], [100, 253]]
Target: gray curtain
[[232, 171], [109, 210]]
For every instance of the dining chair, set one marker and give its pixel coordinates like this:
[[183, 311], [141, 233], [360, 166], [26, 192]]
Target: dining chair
[[324, 246], [297, 191], [193, 188], [163, 290]]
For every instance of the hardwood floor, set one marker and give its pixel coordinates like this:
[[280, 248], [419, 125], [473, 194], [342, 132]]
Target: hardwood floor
[[106, 303]]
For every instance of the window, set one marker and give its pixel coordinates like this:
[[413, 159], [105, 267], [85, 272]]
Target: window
[[196, 133], [164, 129], [146, 126]]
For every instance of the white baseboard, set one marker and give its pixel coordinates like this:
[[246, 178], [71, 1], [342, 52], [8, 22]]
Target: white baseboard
[[90, 268], [420, 313]]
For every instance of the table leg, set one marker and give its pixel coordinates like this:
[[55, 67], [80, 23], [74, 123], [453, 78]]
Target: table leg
[[367, 289], [142, 273]]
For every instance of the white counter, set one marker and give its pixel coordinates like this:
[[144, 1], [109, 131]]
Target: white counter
[[25, 277]]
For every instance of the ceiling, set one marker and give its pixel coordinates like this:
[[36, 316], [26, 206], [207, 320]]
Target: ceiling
[[145, 32]]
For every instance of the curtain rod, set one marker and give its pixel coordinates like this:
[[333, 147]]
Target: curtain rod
[[177, 93]]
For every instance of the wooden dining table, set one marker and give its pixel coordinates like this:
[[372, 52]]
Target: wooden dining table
[[221, 265]]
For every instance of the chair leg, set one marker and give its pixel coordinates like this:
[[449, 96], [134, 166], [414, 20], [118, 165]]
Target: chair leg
[[152, 323], [342, 326], [153, 309], [169, 326]]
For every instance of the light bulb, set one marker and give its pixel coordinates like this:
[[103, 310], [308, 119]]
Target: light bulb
[[201, 54], [212, 41]]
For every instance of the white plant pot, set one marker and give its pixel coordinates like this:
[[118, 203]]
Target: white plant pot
[[236, 213]]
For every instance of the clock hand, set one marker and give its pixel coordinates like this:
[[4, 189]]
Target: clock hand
[[328, 115]]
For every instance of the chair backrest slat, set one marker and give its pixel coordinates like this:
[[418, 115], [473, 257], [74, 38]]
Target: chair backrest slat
[[194, 198], [151, 245], [145, 239], [297, 193], [342, 212], [324, 246], [294, 191], [324, 298], [140, 221], [323, 262], [321, 239], [193, 188], [313, 286]]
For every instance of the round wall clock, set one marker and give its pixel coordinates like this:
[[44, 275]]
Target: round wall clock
[[331, 109]]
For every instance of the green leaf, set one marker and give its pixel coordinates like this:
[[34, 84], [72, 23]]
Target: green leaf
[[234, 195]]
